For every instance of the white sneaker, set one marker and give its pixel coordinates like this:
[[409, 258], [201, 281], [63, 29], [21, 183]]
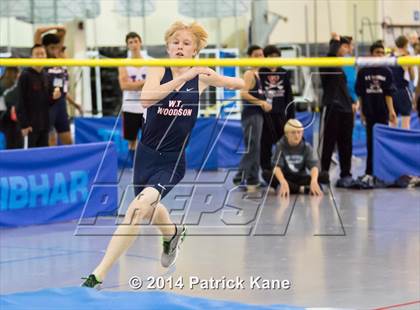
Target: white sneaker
[[171, 247]]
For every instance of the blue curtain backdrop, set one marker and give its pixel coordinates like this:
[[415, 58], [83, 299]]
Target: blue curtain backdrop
[[396, 152]]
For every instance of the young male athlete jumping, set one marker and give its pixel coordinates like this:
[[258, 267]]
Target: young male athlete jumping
[[171, 96]]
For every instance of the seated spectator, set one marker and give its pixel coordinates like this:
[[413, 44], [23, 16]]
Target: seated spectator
[[295, 167]]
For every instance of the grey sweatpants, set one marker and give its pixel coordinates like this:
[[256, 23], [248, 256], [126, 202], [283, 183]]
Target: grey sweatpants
[[250, 162]]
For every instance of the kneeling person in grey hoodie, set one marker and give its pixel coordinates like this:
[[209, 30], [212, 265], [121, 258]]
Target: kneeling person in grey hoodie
[[295, 167]]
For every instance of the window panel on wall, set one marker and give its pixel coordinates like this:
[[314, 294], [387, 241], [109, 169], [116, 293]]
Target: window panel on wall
[[135, 7], [213, 8], [13, 8], [49, 11]]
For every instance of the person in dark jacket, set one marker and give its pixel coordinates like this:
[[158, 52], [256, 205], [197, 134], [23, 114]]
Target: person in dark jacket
[[374, 86], [278, 93], [7, 80], [8, 121], [34, 101], [339, 110], [11, 128]]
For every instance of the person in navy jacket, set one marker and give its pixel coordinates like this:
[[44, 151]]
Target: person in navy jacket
[[374, 86]]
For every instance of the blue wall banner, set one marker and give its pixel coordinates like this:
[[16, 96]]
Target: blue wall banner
[[2, 141], [359, 134], [228, 71], [56, 184], [230, 143], [359, 138], [414, 121], [201, 152], [395, 152], [104, 129]]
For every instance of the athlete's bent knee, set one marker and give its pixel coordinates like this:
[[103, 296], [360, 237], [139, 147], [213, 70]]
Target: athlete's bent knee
[[143, 206]]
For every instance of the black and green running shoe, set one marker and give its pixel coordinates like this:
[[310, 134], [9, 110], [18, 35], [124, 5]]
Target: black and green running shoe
[[171, 247], [91, 282]]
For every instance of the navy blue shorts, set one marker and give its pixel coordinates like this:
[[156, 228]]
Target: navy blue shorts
[[402, 102], [59, 119], [159, 170]]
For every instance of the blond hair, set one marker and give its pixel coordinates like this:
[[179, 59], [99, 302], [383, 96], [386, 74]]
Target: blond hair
[[196, 29], [292, 125]]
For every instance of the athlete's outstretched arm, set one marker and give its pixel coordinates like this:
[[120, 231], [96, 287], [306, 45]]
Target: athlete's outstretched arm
[[217, 80], [153, 91]]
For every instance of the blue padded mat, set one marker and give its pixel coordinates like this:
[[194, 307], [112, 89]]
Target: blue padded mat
[[83, 298]]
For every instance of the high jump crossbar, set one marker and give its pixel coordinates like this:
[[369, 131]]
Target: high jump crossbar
[[226, 62]]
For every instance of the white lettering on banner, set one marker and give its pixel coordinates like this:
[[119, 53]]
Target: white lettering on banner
[[33, 191]]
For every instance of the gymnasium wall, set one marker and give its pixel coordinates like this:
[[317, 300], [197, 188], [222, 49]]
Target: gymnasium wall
[[342, 18], [341, 13]]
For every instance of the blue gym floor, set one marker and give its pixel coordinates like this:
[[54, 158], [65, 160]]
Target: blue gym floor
[[348, 249]]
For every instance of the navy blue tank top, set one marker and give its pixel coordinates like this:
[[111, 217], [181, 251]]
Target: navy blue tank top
[[398, 74], [169, 122], [399, 81], [249, 108]]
